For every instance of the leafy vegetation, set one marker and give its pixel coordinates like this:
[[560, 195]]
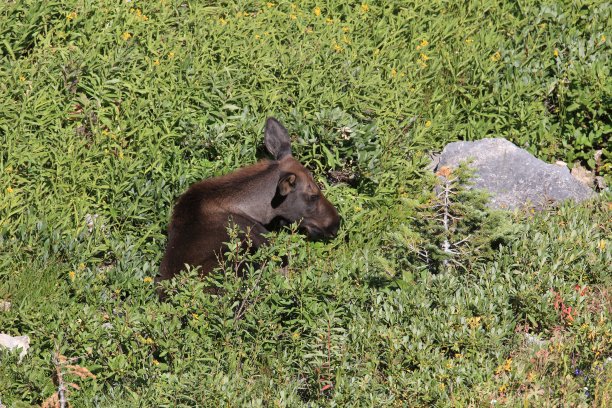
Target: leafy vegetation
[[111, 109]]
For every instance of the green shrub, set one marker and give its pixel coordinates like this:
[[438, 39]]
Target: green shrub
[[110, 110]]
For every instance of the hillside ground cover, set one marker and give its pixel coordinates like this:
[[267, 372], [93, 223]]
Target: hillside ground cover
[[110, 109]]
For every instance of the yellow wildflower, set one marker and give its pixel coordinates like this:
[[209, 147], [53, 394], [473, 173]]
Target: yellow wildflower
[[329, 20], [346, 29], [138, 13], [309, 30], [337, 47], [270, 4], [365, 8], [147, 279], [357, 208], [222, 21], [469, 41], [556, 53], [126, 36], [71, 16], [72, 275], [502, 389], [496, 57], [81, 266], [293, 16], [376, 52], [508, 364], [423, 57], [195, 316], [602, 39], [9, 190], [155, 362], [257, 36], [156, 62], [346, 40], [601, 245], [171, 55], [295, 335], [317, 11], [22, 78], [473, 322], [393, 73], [423, 44]]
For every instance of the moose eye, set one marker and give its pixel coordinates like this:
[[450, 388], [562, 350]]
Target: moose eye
[[314, 197]]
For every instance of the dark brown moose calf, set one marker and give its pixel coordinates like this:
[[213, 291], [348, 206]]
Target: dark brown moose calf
[[251, 197]]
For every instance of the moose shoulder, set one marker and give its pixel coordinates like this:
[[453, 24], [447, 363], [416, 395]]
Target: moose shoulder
[[251, 198]]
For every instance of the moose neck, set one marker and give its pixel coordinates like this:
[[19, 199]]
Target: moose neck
[[253, 189]]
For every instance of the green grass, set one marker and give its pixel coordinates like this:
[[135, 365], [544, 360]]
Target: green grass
[[114, 108]]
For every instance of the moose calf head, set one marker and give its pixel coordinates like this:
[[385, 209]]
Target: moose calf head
[[298, 198], [253, 198]]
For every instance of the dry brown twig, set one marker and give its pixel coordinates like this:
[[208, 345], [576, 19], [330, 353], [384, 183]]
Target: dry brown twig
[[64, 367]]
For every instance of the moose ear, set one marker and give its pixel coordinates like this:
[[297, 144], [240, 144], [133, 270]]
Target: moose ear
[[286, 184], [277, 139]]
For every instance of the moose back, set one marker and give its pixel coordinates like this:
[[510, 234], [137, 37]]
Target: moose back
[[251, 197]]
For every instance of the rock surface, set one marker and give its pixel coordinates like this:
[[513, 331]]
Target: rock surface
[[15, 342], [513, 177], [5, 306]]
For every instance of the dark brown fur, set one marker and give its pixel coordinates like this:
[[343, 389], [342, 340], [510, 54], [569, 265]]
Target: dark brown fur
[[251, 197]]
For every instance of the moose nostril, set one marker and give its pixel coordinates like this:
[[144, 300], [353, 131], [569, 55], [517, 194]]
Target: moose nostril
[[334, 229]]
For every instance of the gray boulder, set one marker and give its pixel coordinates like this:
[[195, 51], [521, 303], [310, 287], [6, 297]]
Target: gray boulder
[[513, 177]]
